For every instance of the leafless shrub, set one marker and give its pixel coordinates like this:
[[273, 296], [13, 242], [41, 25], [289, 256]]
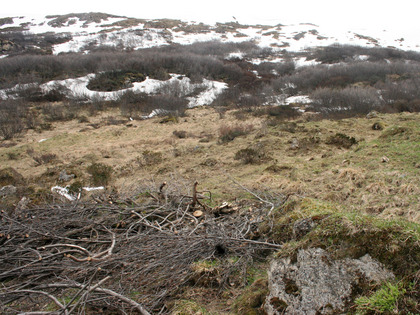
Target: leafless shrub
[[34, 93], [346, 102], [250, 101], [277, 113], [227, 99], [175, 88], [401, 95], [12, 115], [58, 112], [271, 69], [307, 79], [228, 133], [336, 53], [132, 104], [167, 103]]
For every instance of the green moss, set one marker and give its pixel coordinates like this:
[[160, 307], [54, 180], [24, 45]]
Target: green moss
[[280, 226], [396, 244], [383, 300]]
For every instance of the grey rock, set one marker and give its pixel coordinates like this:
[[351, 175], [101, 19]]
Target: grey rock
[[317, 284], [7, 190]]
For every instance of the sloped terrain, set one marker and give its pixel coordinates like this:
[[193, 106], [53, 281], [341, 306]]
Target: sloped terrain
[[155, 177]]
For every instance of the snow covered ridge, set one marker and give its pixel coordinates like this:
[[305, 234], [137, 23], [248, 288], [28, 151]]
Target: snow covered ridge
[[97, 29]]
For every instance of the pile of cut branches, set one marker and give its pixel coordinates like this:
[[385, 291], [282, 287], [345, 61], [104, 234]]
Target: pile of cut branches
[[120, 255]]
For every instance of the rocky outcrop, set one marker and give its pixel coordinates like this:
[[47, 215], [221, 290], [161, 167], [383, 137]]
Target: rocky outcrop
[[317, 284]]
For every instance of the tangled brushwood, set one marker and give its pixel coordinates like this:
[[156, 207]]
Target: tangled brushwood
[[121, 255]]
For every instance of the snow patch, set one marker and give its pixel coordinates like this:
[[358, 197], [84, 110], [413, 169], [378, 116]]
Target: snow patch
[[213, 89], [303, 62], [64, 191], [235, 55], [298, 99]]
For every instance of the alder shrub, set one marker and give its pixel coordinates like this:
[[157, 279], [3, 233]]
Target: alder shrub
[[229, 133], [12, 118], [337, 53], [58, 111], [196, 61], [273, 69], [114, 80], [307, 79], [132, 104], [401, 95], [346, 102], [168, 104]]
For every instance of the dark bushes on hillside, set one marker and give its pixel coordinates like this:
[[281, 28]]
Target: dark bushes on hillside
[[133, 104], [34, 93], [337, 53], [12, 118], [196, 61], [345, 102], [341, 75], [279, 112], [58, 111], [114, 80], [401, 95]]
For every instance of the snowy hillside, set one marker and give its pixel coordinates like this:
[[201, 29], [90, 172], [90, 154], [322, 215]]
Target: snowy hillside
[[152, 67], [82, 32]]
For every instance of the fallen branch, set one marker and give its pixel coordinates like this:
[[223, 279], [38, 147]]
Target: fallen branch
[[95, 288], [254, 194], [53, 298]]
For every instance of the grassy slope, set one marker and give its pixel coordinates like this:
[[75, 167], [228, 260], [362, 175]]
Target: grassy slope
[[354, 178], [375, 204]]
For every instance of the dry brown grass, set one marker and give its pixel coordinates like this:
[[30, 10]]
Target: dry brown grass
[[317, 171]]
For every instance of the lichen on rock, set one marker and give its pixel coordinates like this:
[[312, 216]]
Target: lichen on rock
[[317, 284]]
